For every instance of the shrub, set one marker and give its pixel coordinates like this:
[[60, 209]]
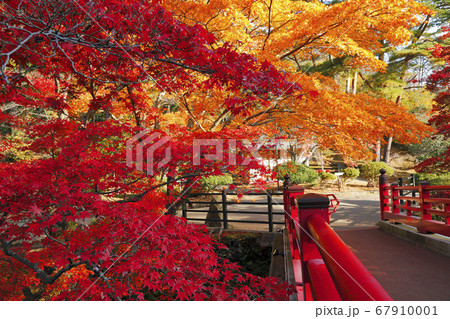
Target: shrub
[[371, 171], [326, 176], [213, 181], [299, 174], [434, 179], [350, 173]]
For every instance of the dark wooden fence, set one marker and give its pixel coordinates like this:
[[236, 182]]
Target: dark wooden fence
[[408, 181], [227, 214]]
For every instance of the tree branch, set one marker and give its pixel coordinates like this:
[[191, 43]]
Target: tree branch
[[138, 197], [269, 30], [54, 239], [40, 273]]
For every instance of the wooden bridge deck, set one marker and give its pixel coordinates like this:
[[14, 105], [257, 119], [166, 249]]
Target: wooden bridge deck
[[406, 271]]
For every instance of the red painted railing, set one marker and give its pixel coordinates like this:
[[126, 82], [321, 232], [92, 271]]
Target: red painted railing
[[429, 212], [325, 269]]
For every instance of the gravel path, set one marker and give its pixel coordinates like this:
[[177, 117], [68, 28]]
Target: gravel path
[[356, 210]]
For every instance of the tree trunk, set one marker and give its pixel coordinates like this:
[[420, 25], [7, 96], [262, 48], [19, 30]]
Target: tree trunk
[[387, 153], [321, 159], [378, 151], [293, 153], [355, 82]]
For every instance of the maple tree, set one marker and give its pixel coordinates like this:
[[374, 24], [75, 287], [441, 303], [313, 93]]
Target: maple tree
[[76, 222], [405, 77], [439, 82], [300, 37]]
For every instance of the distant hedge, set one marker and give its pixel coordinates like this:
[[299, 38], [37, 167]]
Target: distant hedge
[[351, 173], [327, 176], [213, 181], [371, 171], [299, 174]]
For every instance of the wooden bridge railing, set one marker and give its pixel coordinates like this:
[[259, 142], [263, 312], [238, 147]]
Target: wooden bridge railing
[[429, 212], [323, 267]]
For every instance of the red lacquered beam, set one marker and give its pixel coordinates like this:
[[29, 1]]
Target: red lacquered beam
[[437, 200], [321, 283], [438, 187], [352, 279]]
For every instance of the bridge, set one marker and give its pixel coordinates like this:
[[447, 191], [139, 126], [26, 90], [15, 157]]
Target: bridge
[[324, 267], [353, 259]]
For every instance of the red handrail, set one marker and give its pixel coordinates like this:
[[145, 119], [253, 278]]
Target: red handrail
[[334, 203], [324, 268]]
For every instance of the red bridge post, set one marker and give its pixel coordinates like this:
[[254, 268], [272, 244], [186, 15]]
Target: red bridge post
[[291, 220], [384, 193], [395, 193], [424, 194]]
